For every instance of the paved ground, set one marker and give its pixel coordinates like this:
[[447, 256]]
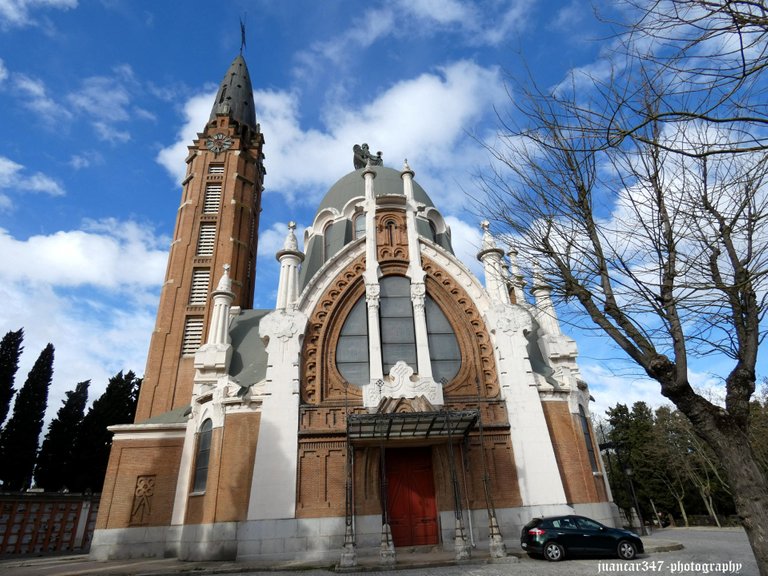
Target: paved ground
[[709, 551]]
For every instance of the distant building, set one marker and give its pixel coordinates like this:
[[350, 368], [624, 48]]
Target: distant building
[[390, 399]]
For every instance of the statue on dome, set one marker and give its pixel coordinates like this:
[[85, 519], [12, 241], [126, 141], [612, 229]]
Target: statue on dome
[[363, 157]]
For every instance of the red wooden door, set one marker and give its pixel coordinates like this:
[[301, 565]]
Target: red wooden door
[[411, 497]]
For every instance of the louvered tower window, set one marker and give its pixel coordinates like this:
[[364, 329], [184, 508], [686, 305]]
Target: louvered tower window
[[201, 280], [212, 200], [207, 239], [215, 168], [193, 335]]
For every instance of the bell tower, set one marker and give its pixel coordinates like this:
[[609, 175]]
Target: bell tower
[[217, 224]]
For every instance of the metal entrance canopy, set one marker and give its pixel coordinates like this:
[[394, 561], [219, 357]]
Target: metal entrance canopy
[[411, 425]]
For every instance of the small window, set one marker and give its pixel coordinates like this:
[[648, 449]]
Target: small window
[[433, 230], [588, 438], [327, 242], [193, 335], [215, 168], [203, 456], [359, 225], [391, 230], [212, 200], [207, 239]]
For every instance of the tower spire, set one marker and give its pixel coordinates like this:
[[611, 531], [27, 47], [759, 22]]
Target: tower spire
[[235, 95]]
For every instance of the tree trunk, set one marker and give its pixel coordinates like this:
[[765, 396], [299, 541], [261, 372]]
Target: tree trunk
[[707, 497], [682, 511], [747, 482]]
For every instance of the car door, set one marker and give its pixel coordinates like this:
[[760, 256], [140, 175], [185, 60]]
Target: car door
[[567, 533], [594, 537]]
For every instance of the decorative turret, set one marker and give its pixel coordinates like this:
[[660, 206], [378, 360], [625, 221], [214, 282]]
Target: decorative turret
[[216, 353], [290, 258], [542, 293], [493, 264]]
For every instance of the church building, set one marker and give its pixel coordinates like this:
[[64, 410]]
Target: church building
[[390, 399]]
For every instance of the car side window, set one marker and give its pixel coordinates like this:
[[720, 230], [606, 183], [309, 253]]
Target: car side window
[[586, 524], [564, 523]]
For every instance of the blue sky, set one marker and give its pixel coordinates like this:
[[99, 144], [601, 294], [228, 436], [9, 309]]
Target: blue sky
[[99, 100]]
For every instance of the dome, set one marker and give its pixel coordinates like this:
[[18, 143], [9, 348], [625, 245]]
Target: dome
[[339, 212], [387, 182]]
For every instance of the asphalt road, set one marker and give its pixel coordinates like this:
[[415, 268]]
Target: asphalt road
[[706, 551]]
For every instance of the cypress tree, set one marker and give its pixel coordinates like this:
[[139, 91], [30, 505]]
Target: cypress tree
[[116, 406], [20, 437], [56, 462], [10, 350]]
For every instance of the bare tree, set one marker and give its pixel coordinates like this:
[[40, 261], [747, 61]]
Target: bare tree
[[705, 57], [664, 250]]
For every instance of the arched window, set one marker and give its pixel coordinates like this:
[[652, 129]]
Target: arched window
[[433, 230], [444, 351], [327, 242], [352, 348], [202, 456], [390, 227], [398, 335], [360, 225]]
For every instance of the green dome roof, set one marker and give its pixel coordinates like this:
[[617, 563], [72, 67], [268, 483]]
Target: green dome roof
[[387, 182]]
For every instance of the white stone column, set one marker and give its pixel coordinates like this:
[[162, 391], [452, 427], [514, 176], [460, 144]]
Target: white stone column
[[371, 278], [372, 271], [416, 274], [423, 358], [415, 271], [290, 259], [273, 488], [538, 474], [372, 296]]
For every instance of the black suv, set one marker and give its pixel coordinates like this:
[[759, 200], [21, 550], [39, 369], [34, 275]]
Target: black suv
[[555, 537]]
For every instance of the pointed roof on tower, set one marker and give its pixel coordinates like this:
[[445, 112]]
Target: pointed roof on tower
[[235, 96]]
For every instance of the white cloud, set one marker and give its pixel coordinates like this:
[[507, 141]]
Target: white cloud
[[85, 159], [107, 254], [3, 71], [118, 89], [195, 112], [442, 11], [91, 292], [484, 23], [466, 240], [424, 119], [36, 99], [13, 176], [16, 13], [609, 388]]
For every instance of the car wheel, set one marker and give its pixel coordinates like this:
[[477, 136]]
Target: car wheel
[[553, 552], [626, 550]]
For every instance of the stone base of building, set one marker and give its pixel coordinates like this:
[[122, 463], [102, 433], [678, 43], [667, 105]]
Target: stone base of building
[[311, 539]]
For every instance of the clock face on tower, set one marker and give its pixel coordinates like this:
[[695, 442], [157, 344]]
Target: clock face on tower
[[218, 142]]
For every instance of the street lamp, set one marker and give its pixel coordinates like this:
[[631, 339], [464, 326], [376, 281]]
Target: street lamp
[[629, 472]]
